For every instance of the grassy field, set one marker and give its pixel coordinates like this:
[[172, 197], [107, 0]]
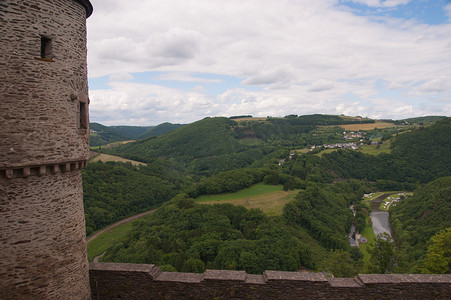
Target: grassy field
[[269, 198], [111, 145], [373, 196], [305, 150], [385, 203], [375, 150], [368, 126], [368, 233], [107, 239], [325, 151], [107, 157]]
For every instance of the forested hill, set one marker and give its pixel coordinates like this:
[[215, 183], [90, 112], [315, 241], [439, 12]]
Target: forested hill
[[159, 130], [422, 120], [416, 219], [418, 156], [102, 135], [132, 132], [220, 135], [207, 137], [426, 150], [318, 119]]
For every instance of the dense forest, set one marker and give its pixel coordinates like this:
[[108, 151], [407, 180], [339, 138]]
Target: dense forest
[[418, 219], [187, 237], [114, 191], [218, 155]]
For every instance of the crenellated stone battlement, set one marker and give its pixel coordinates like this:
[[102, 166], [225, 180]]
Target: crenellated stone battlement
[[42, 169], [139, 281]]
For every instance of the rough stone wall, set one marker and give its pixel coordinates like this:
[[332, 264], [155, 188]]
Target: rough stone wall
[[134, 281], [40, 98], [42, 238], [43, 147]]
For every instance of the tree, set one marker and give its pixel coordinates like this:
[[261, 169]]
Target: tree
[[341, 264], [438, 257], [382, 253]]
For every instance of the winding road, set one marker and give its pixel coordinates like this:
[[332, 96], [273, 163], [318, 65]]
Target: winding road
[[90, 238]]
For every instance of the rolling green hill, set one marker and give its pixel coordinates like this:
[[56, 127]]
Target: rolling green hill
[[418, 156], [416, 219], [422, 120], [207, 137], [133, 132], [102, 135], [209, 157], [159, 130]]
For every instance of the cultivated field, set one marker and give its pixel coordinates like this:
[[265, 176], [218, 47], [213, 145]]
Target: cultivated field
[[269, 198], [111, 145], [106, 157], [255, 119], [368, 126]]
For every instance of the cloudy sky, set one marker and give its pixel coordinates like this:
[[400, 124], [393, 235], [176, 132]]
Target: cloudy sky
[[179, 61]]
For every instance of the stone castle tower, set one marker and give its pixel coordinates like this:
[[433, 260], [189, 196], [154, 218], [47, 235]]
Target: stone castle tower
[[44, 145]]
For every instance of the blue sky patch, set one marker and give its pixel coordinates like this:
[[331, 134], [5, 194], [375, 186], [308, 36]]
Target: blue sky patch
[[211, 84], [424, 11]]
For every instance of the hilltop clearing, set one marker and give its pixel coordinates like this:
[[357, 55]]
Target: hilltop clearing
[[106, 157], [269, 198], [369, 126]]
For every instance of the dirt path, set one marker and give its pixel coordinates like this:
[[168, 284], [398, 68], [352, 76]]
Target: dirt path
[[90, 238]]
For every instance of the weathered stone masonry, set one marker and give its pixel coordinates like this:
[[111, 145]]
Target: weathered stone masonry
[[44, 145], [134, 281]]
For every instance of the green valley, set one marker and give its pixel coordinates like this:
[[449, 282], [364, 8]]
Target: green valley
[[235, 193]]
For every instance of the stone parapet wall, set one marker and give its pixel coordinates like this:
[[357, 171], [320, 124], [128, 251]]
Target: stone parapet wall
[[137, 281], [41, 98]]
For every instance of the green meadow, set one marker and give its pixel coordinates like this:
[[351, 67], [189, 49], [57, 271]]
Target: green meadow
[[269, 198]]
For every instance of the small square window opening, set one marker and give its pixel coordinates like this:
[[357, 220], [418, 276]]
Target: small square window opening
[[84, 115], [46, 48]]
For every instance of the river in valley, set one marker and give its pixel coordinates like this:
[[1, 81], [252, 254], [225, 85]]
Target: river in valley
[[379, 217]]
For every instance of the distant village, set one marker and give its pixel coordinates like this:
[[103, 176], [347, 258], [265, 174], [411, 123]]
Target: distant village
[[351, 135]]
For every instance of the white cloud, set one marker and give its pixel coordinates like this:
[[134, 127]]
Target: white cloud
[[121, 77], [436, 85], [276, 78], [448, 11], [321, 85], [381, 3], [305, 56], [186, 77], [125, 53]]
